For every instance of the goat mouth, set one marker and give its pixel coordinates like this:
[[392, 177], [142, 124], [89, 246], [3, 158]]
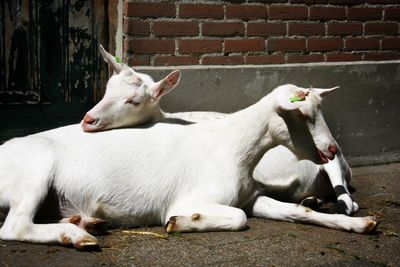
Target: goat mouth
[[324, 159], [93, 127]]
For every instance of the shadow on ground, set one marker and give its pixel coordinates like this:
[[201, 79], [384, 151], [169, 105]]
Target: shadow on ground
[[265, 243]]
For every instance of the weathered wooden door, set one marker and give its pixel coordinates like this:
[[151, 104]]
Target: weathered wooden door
[[51, 72]]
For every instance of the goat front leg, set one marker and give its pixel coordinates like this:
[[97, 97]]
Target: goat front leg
[[268, 208], [345, 204], [19, 225], [203, 218]]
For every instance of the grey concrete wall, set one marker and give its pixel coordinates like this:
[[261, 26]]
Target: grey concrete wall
[[363, 114]]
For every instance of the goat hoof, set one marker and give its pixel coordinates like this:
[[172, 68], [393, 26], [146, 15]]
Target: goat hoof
[[97, 222], [95, 226], [169, 228], [371, 227], [340, 207], [195, 216], [76, 219], [312, 203], [86, 243], [65, 240]]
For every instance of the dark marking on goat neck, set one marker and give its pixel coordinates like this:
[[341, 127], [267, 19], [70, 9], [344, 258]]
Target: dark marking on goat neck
[[340, 190]]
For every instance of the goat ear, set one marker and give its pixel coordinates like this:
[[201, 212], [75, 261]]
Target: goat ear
[[324, 92], [110, 59], [166, 85]]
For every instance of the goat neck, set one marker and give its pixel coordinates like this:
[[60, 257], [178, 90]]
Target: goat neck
[[246, 133]]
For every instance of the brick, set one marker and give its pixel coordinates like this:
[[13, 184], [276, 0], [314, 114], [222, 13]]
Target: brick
[[306, 29], [305, 58], [287, 12], [244, 45], [363, 14], [328, 44], [327, 13], [339, 57], [136, 28], [267, 59], [137, 61], [361, 44], [346, 2], [308, 1], [263, 1], [392, 14], [287, 45], [266, 29], [181, 28], [391, 43], [345, 28], [223, 28], [152, 10], [222, 60], [383, 1], [149, 46], [175, 61], [246, 12], [381, 28], [374, 56], [201, 11], [200, 46]]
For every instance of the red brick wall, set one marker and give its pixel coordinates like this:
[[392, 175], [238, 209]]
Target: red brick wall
[[252, 32]]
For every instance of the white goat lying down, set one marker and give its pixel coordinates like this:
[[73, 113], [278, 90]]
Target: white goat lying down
[[132, 98], [192, 178]]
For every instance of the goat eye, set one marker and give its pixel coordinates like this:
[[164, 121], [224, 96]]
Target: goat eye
[[132, 102]]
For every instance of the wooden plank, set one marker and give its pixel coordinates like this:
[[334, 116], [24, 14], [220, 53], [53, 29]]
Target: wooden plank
[[112, 24], [50, 31], [17, 40], [100, 36], [80, 52], [2, 53]]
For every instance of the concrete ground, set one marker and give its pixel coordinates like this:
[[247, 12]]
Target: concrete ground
[[265, 243]]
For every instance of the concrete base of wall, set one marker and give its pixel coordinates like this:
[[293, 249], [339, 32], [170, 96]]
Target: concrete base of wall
[[362, 114]]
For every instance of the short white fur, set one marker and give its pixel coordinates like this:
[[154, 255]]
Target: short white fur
[[192, 178]]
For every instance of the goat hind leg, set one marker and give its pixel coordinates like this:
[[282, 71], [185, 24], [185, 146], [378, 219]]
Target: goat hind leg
[[268, 208]]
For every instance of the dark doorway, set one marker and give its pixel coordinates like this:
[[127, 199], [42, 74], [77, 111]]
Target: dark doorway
[[51, 72]]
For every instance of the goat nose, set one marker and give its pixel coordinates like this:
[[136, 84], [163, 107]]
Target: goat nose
[[89, 119], [333, 149]]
